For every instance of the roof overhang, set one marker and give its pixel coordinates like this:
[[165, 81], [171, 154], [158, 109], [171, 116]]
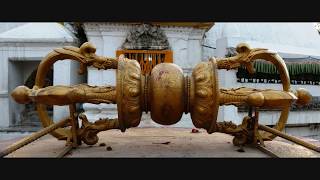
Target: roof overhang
[[197, 25]]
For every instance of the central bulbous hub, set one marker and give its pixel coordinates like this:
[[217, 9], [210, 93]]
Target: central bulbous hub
[[166, 93]]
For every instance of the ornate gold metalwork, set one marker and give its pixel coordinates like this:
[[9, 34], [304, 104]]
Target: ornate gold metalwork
[[88, 132], [241, 133], [129, 93], [246, 56], [166, 93], [65, 95], [268, 98], [86, 56], [204, 96]]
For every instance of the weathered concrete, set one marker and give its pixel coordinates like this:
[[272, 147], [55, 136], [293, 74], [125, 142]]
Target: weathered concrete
[[161, 142]]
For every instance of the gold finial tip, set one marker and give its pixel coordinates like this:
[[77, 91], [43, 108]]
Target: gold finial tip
[[303, 95], [87, 49], [20, 95], [242, 47]]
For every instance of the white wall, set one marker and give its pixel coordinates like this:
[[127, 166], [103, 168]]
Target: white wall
[[65, 73], [8, 25], [296, 34], [19, 72]]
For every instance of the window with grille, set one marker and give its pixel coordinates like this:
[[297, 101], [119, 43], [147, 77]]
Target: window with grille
[[147, 58]]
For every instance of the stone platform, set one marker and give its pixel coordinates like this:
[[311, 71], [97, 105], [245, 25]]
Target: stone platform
[[160, 142]]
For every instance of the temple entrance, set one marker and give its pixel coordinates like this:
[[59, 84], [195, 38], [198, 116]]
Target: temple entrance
[[148, 45], [24, 72]]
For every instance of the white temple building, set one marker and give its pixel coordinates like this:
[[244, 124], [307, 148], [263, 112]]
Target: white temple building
[[23, 45]]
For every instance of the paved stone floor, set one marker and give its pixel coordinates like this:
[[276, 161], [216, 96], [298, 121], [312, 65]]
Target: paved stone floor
[[159, 142]]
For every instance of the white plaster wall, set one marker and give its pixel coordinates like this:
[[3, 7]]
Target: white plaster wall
[[4, 110], [65, 73], [290, 34], [186, 44], [179, 47], [209, 45], [19, 72], [291, 38], [295, 117], [5, 26]]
